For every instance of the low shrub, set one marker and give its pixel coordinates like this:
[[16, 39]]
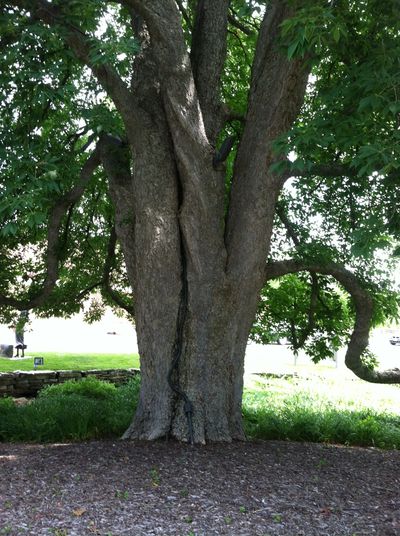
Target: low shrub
[[87, 387], [6, 404], [71, 413]]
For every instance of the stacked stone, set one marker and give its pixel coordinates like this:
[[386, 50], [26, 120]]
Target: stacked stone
[[17, 384]]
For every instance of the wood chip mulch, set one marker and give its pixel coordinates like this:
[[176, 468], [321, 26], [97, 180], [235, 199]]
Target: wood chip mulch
[[112, 488]]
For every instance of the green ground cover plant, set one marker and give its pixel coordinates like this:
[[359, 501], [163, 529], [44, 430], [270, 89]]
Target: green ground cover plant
[[73, 411], [273, 408], [60, 361], [331, 410]]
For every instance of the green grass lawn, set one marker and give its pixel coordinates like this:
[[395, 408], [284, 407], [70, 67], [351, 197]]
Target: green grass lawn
[[58, 361], [323, 409], [346, 392]]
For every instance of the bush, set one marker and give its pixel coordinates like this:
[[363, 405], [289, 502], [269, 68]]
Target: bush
[[87, 387], [73, 411], [6, 404]]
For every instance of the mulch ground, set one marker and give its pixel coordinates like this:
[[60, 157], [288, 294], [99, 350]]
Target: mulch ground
[[254, 488]]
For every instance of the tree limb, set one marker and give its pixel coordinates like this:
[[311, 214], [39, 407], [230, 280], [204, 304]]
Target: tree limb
[[245, 53], [288, 225], [203, 200], [332, 170], [207, 58], [106, 283], [274, 104], [54, 239], [83, 293], [115, 159], [237, 24], [82, 46], [324, 170], [363, 307]]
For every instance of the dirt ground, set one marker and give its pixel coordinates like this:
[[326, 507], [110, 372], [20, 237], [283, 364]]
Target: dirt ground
[[256, 488]]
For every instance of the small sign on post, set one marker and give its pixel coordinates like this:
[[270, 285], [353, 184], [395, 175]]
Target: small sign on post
[[37, 361]]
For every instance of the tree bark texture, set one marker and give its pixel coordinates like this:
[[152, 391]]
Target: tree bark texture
[[197, 279]]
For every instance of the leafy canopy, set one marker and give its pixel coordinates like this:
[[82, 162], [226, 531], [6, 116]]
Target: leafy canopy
[[341, 203]]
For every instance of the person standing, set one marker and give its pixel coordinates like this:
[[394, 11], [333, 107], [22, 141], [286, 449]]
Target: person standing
[[20, 333]]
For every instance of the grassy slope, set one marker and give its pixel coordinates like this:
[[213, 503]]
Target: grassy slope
[[58, 361]]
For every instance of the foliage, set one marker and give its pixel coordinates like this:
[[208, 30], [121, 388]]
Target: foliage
[[284, 313], [50, 108], [70, 414], [87, 387], [342, 202], [52, 111], [298, 415], [349, 120]]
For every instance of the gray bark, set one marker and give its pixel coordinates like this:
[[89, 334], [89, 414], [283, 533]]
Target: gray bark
[[209, 41], [181, 247], [274, 103]]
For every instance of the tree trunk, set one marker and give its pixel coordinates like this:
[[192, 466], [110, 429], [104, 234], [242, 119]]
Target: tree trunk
[[198, 272], [207, 377]]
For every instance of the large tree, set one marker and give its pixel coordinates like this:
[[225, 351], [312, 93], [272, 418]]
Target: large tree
[[155, 134]]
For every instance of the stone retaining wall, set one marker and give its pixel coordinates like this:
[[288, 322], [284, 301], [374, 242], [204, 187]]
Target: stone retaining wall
[[29, 383]]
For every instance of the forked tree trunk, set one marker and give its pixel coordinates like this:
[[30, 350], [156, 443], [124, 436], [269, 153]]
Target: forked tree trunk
[[196, 271], [196, 261]]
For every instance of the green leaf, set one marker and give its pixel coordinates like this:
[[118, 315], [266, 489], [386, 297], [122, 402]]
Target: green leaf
[[292, 49], [394, 108], [336, 34]]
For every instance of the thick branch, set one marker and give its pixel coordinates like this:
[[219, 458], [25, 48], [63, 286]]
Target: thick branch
[[115, 158], [276, 94], [207, 58], [108, 267], [203, 188], [55, 238], [363, 306], [179, 94], [82, 46], [321, 170]]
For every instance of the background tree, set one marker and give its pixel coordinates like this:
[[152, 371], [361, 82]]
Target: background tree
[[145, 145]]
